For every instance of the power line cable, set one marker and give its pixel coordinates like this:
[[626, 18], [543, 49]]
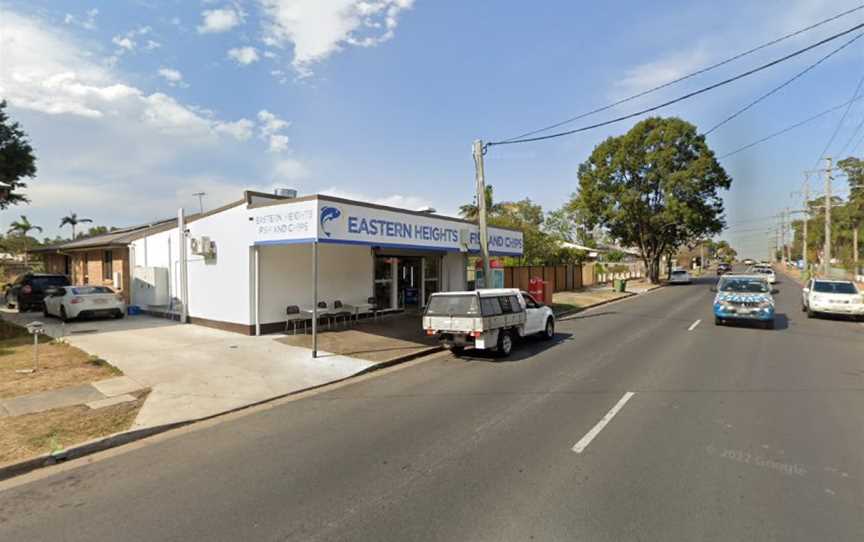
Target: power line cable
[[840, 123], [852, 137], [685, 96], [689, 75], [788, 128], [784, 84]]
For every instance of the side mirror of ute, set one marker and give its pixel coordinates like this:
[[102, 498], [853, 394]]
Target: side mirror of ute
[[713, 288], [774, 291]]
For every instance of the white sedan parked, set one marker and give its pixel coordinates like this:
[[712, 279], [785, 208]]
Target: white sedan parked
[[832, 297], [71, 302]]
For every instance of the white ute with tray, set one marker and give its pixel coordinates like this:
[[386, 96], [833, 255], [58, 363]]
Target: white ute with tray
[[486, 319]]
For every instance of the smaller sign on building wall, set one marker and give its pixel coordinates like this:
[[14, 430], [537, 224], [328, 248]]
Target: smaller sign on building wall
[[289, 222]]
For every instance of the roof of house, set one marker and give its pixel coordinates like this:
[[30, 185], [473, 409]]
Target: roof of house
[[118, 237]]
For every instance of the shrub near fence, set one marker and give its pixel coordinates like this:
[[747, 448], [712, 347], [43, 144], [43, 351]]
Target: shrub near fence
[[570, 277]]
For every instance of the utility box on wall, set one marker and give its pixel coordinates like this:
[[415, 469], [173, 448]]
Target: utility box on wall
[[150, 286]]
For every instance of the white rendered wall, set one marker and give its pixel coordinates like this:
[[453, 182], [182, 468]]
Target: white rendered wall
[[345, 272]]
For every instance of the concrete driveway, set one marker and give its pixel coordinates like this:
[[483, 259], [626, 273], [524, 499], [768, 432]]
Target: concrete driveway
[[196, 371]]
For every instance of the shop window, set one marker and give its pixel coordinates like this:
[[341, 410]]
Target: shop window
[[108, 265]]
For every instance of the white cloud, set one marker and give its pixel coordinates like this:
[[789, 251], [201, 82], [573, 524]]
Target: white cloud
[[240, 130], [173, 77], [127, 42], [244, 55], [270, 127], [219, 20], [319, 28], [123, 42], [289, 169], [88, 21], [96, 133], [278, 143], [394, 200]]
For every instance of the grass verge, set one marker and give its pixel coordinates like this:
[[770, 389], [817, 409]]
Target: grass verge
[[60, 365], [30, 435]]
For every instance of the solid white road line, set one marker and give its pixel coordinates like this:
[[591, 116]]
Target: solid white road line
[[590, 435], [693, 325]]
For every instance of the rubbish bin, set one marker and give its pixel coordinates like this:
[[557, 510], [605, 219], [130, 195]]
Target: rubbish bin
[[535, 288], [619, 285]]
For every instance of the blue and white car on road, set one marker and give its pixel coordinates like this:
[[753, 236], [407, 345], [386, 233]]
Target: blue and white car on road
[[744, 297]]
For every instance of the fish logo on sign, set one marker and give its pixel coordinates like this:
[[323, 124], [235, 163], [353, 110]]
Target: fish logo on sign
[[328, 214]]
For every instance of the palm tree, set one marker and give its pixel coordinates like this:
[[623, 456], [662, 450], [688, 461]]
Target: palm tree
[[73, 221], [469, 211], [23, 228]]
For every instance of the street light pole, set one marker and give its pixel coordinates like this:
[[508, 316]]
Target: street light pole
[[480, 177], [827, 249]]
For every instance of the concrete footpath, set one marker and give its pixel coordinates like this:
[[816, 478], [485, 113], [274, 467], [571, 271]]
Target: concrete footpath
[[193, 371]]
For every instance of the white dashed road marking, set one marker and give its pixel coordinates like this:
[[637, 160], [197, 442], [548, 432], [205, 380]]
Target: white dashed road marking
[[693, 325], [590, 435]]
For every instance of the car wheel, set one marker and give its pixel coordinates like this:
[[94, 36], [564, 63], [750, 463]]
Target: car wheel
[[549, 331], [63, 315], [718, 321], [45, 312], [803, 307], [505, 343], [810, 313], [457, 350], [8, 301]]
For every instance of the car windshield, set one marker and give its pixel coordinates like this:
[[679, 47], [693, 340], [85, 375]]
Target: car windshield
[[453, 305], [834, 287], [679, 272], [753, 286], [87, 290]]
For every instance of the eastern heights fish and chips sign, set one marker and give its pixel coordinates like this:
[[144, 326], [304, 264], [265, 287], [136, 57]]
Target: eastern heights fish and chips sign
[[337, 222]]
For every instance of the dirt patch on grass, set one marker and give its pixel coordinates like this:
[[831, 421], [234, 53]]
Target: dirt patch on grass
[[60, 365], [23, 437]]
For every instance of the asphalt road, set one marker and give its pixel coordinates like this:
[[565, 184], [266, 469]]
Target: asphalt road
[[732, 433]]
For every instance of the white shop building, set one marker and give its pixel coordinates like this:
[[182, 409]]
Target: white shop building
[[246, 262]]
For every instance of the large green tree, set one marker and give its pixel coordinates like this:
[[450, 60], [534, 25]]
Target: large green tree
[[655, 187], [17, 161]]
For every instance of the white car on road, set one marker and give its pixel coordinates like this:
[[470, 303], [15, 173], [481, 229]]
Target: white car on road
[[822, 296], [486, 319], [680, 276], [70, 302], [767, 271]]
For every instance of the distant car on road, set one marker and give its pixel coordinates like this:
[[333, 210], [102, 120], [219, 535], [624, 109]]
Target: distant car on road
[[748, 261], [723, 268], [486, 319], [743, 298], [28, 290], [767, 271], [70, 302], [680, 276], [832, 297]]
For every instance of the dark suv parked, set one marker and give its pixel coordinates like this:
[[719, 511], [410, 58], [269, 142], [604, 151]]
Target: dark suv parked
[[28, 290]]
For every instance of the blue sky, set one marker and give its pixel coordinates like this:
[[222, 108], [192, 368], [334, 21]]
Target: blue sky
[[134, 106]]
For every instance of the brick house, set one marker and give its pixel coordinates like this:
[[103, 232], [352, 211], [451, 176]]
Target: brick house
[[104, 259]]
